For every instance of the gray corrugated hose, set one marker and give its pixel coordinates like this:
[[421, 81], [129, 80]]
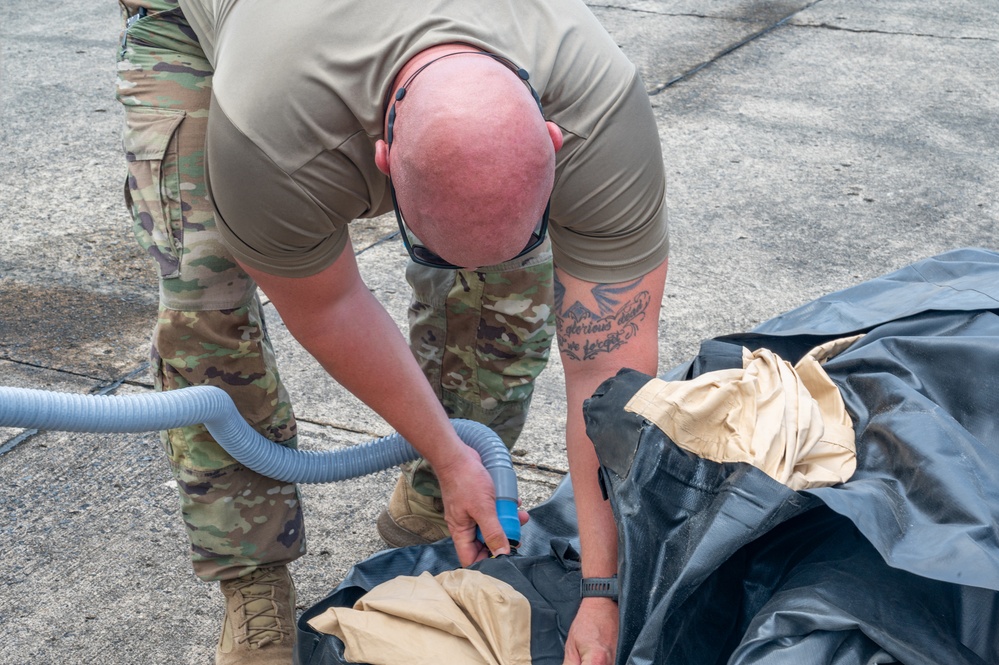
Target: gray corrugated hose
[[211, 406]]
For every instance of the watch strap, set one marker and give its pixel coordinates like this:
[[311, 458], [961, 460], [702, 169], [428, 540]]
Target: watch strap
[[598, 587]]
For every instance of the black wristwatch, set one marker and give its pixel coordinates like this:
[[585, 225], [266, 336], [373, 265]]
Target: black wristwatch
[[598, 587]]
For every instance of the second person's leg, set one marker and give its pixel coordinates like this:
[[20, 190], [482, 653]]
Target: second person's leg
[[243, 528]]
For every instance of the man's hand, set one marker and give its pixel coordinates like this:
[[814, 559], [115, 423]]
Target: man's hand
[[592, 637], [470, 501]]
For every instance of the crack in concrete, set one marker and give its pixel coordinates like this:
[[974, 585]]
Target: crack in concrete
[[99, 389], [126, 378], [339, 428], [382, 240], [540, 467], [828, 26], [637, 10], [100, 386], [730, 49], [17, 440]]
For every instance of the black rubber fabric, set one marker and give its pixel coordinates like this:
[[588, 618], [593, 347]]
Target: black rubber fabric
[[721, 564], [545, 570]]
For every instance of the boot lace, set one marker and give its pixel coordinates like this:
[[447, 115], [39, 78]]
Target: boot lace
[[259, 608]]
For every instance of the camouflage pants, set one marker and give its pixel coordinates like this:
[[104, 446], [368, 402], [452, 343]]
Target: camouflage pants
[[480, 337], [210, 328]]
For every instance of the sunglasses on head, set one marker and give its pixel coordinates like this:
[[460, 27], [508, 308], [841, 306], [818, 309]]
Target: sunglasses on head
[[423, 256], [419, 253]]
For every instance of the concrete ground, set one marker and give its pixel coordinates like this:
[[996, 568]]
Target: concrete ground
[[810, 145]]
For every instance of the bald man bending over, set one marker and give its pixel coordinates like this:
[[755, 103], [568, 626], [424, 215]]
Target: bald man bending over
[[517, 147], [474, 159]]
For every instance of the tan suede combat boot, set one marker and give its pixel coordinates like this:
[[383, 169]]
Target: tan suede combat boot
[[412, 518], [259, 624]]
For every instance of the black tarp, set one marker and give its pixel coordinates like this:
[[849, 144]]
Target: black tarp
[[545, 569], [719, 563]]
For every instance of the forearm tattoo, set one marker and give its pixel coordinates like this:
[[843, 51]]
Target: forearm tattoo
[[584, 334]]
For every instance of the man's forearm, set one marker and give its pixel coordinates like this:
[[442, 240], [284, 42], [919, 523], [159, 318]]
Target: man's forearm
[[334, 316], [369, 357], [597, 529], [602, 328], [336, 319]]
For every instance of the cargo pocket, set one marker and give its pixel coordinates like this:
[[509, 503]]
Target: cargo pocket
[[152, 190]]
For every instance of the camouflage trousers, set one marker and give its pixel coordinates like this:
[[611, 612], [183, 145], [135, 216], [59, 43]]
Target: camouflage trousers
[[480, 337], [210, 328]]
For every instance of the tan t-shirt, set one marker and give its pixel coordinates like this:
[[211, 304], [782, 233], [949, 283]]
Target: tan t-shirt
[[298, 102]]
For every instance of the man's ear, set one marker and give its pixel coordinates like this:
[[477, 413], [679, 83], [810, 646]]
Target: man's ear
[[555, 133], [382, 155]]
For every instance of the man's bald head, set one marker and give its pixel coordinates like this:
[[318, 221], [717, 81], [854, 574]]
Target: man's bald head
[[472, 159]]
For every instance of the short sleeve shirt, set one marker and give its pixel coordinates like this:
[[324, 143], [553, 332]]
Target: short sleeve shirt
[[298, 100]]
